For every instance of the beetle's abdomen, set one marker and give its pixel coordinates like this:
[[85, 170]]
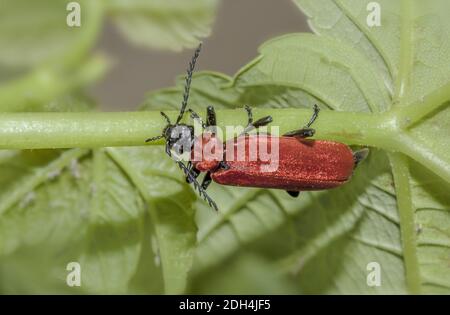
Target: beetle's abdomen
[[300, 165]]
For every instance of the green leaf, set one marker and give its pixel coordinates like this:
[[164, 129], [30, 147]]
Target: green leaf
[[94, 218], [418, 65], [169, 202], [97, 208], [107, 209], [164, 24], [430, 200], [311, 64], [253, 273]]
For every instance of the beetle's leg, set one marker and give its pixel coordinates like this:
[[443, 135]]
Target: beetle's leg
[[301, 133], [168, 150], [211, 120], [306, 131], [293, 193], [202, 193], [206, 180], [223, 165], [195, 116], [360, 155], [248, 109], [195, 172], [210, 116], [260, 122], [314, 116], [255, 125]]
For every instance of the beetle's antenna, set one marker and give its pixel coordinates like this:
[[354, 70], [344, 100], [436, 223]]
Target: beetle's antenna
[[314, 116], [188, 80], [202, 193], [161, 136], [166, 117]]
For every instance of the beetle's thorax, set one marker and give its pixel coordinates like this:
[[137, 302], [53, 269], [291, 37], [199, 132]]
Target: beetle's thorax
[[207, 152]]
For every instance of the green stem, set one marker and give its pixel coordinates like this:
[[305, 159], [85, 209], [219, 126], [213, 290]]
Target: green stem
[[96, 129], [405, 62], [422, 154], [400, 170], [413, 113], [399, 163]]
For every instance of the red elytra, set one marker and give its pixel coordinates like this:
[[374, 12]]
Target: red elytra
[[302, 164]]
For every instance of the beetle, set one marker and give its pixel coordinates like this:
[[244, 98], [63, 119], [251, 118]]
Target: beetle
[[303, 164]]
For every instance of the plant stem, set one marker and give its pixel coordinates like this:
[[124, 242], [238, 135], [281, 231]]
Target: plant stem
[[400, 170], [95, 129], [406, 58], [413, 113], [422, 154], [399, 163]]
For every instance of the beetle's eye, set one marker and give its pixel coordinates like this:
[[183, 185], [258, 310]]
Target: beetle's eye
[[178, 148]]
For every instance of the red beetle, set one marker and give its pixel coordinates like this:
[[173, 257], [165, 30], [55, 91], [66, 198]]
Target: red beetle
[[302, 164]]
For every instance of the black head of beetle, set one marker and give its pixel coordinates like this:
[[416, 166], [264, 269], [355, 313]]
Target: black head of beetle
[[179, 137]]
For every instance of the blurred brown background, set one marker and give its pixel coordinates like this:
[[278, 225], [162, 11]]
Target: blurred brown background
[[240, 27]]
